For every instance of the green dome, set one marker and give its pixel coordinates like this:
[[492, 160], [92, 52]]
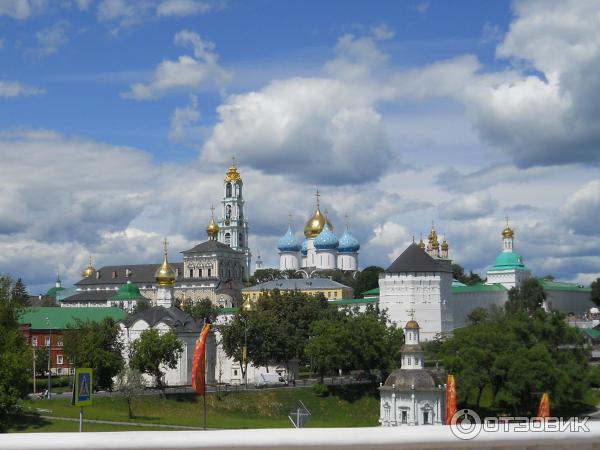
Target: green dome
[[129, 291], [52, 291], [508, 260]]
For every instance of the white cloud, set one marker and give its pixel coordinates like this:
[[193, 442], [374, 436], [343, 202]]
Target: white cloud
[[391, 238], [181, 8], [467, 207], [21, 9], [187, 73], [382, 32], [581, 211], [183, 118], [52, 38], [17, 89], [422, 7]]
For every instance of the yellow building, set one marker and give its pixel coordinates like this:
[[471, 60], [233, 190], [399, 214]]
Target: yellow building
[[332, 290]]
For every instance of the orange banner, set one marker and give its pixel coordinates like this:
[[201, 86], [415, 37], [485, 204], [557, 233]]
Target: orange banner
[[450, 399], [544, 409], [199, 363]]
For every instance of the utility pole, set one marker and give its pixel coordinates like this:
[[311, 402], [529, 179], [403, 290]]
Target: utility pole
[[49, 357], [33, 349]]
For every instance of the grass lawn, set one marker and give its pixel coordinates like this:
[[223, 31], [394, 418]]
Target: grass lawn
[[349, 406]]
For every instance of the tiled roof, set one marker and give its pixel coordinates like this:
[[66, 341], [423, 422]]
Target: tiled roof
[[173, 317], [211, 246], [592, 333], [414, 259], [60, 318], [140, 274], [297, 283], [563, 286], [354, 301], [372, 292], [90, 296]]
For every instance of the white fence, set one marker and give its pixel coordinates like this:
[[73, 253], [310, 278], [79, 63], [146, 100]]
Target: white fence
[[423, 437]]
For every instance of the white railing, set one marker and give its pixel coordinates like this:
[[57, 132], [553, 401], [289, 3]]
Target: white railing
[[422, 437]]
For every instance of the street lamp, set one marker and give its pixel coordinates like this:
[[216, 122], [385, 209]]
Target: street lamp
[[49, 357]]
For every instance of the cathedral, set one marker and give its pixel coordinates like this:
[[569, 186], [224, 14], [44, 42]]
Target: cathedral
[[214, 269], [321, 248]]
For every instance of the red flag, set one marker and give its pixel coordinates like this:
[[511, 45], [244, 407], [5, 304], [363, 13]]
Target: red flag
[[544, 409], [450, 399], [199, 363]]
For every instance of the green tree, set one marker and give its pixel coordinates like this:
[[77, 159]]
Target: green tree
[[19, 293], [327, 348], [478, 315], [41, 361], [153, 351], [96, 345], [15, 356], [529, 297], [595, 295], [366, 280], [262, 275], [140, 305], [130, 384], [202, 310], [458, 273]]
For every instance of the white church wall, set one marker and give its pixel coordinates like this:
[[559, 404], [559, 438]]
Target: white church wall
[[462, 304], [576, 302], [414, 404]]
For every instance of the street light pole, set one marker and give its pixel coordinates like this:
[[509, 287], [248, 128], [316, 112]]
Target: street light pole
[[49, 357], [33, 348]]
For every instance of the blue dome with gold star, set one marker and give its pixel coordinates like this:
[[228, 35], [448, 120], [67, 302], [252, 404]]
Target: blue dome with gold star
[[288, 242], [326, 240], [348, 243]]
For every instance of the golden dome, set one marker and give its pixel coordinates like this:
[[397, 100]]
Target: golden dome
[[247, 305], [232, 174], [432, 234], [315, 224], [421, 243], [165, 275], [412, 325], [212, 229], [508, 232], [89, 270], [444, 245]]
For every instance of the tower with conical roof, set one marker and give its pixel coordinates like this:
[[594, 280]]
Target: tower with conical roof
[[165, 281], [233, 225]]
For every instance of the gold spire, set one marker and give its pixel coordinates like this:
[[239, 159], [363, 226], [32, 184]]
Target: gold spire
[[507, 232], [232, 174], [444, 243], [212, 229], [165, 275], [89, 270], [421, 243], [315, 224], [432, 233]]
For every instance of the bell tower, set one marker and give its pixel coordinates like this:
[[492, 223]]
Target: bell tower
[[233, 225]]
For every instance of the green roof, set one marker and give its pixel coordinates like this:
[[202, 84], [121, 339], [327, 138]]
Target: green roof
[[228, 310], [60, 318], [370, 292], [563, 286], [353, 301], [591, 332], [52, 291], [508, 260], [129, 291], [480, 287]]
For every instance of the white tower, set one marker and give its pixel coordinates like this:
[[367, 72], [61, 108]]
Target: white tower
[[233, 225], [165, 281], [258, 264], [508, 269]]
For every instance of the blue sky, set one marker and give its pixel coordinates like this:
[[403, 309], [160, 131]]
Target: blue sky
[[118, 119]]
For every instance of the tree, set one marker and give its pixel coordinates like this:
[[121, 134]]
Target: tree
[[152, 351], [595, 295], [366, 280], [202, 310], [96, 345], [140, 305], [130, 383], [19, 293], [262, 275], [15, 356], [530, 296], [478, 315], [458, 273], [41, 361]]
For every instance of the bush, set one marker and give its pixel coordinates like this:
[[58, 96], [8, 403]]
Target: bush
[[320, 390], [594, 376], [42, 383]]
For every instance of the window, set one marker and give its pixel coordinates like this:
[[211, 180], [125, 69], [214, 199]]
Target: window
[[200, 273], [60, 342], [235, 373], [409, 360], [425, 417], [209, 273], [34, 341], [59, 359], [47, 341], [404, 416], [228, 190], [191, 273], [228, 238], [241, 240], [228, 212], [114, 274]]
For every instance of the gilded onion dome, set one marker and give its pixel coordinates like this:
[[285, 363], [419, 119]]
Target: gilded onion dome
[[421, 243], [89, 270], [444, 244], [432, 234], [232, 174], [315, 224], [412, 325], [508, 232], [212, 229], [165, 275]]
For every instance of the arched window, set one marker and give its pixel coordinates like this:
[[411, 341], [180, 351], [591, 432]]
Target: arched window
[[227, 238], [240, 240], [239, 190], [228, 212], [228, 190]]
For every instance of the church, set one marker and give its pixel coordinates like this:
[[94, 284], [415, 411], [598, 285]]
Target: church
[[214, 269], [321, 248]]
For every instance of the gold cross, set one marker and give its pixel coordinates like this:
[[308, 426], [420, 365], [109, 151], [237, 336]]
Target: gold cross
[[165, 243], [411, 313], [212, 211], [506, 217], [317, 195], [233, 161]]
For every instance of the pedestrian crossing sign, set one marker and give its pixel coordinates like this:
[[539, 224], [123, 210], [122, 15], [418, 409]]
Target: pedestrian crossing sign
[[82, 391]]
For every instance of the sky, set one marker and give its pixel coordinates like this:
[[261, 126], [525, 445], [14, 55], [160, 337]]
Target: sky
[[119, 119]]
